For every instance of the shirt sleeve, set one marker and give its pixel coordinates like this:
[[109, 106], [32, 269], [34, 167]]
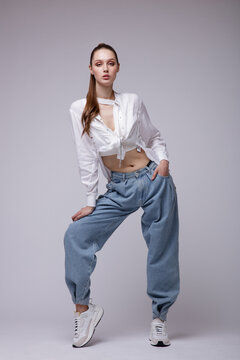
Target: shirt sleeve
[[87, 158], [150, 134]]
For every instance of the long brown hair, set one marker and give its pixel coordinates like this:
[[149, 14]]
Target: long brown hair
[[91, 108]]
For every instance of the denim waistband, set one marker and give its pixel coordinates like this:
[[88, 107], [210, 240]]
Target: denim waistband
[[136, 173]]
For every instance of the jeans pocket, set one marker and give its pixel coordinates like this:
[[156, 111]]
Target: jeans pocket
[[163, 177], [151, 171]]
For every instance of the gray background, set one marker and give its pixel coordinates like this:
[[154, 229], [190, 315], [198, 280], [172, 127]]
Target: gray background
[[182, 57]]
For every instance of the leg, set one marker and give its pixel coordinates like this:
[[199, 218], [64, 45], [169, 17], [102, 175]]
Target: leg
[[85, 237], [160, 228]]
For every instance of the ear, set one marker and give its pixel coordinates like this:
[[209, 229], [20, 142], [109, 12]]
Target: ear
[[90, 68]]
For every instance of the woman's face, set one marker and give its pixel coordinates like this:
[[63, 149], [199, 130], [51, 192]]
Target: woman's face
[[104, 63]]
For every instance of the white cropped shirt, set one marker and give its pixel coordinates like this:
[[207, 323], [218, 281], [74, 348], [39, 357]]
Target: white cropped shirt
[[133, 129]]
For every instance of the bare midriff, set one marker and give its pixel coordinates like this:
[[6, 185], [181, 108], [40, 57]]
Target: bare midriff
[[133, 160]]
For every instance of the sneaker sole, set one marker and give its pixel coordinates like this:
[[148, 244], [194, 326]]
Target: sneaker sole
[[159, 343], [95, 322]]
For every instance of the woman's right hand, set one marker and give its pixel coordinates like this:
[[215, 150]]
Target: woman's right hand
[[83, 212]]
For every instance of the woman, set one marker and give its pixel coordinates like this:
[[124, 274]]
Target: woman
[[113, 130]]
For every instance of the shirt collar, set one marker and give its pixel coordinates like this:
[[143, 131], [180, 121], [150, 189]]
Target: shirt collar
[[116, 101], [117, 95]]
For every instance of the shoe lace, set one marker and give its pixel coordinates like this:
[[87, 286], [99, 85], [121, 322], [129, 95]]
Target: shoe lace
[[78, 322], [77, 326], [159, 330]]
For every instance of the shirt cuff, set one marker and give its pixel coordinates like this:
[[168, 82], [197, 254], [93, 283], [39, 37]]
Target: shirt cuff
[[163, 157], [91, 200]]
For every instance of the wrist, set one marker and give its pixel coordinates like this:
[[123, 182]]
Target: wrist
[[164, 162]]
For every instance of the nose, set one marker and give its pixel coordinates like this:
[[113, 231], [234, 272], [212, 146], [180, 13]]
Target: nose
[[105, 67]]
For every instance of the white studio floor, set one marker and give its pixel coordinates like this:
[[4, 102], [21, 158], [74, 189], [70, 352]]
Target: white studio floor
[[52, 342]]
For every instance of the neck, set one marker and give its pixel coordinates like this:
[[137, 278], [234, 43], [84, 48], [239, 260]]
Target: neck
[[106, 94]]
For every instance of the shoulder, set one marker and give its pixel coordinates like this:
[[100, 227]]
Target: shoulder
[[130, 98], [78, 105]]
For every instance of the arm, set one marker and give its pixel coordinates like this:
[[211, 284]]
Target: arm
[[87, 158], [150, 134]]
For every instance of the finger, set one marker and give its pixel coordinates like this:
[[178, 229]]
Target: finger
[[154, 175], [80, 216], [77, 214]]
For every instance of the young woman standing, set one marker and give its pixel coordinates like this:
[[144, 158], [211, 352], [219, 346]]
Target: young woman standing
[[113, 130]]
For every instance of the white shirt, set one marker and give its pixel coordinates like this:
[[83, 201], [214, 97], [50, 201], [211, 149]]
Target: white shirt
[[133, 128]]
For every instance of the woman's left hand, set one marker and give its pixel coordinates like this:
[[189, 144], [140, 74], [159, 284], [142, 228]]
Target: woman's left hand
[[162, 169]]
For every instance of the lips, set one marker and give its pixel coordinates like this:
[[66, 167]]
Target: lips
[[106, 76]]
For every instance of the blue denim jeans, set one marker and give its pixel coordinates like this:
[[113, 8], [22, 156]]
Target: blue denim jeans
[[160, 228]]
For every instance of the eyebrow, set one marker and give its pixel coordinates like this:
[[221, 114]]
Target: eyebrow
[[102, 60]]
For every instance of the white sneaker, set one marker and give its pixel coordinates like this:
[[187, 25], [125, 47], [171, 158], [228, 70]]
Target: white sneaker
[[158, 334], [85, 324]]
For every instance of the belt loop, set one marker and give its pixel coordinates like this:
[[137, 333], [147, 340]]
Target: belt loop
[[124, 176], [148, 165]]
